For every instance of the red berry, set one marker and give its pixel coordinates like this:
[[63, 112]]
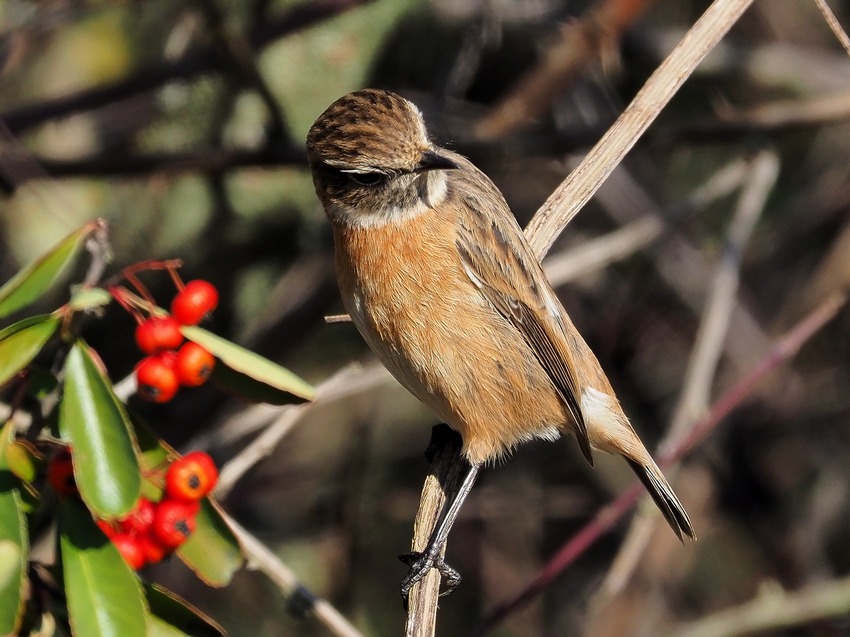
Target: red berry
[[152, 550], [156, 379], [196, 300], [140, 519], [194, 365], [191, 477], [173, 523], [60, 474], [158, 333], [130, 550]]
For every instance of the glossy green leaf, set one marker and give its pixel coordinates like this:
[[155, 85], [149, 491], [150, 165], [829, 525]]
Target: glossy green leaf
[[31, 282], [244, 387], [105, 598], [252, 365], [20, 342], [13, 542], [172, 616], [212, 550], [93, 420]]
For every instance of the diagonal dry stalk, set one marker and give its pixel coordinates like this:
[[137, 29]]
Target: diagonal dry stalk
[[574, 192]]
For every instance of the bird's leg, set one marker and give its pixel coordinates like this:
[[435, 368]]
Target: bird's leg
[[422, 562]]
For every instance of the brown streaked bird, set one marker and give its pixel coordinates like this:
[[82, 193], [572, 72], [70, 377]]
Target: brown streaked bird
[[438, 277]]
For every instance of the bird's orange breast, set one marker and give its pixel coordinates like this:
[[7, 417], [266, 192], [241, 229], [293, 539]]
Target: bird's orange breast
[[404, 286]]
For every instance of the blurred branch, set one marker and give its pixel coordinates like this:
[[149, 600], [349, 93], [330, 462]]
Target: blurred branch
[[111, 164], [591, 173], [347, 381], [240, 57], [715, 321], [774, 609], [300, 600], [683, 267], [705, 356], [583, 41], [193, 63], [778, 117], [785, 348], [598, 253]]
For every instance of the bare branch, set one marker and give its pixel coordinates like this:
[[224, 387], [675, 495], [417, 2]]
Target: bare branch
[[605, 156]]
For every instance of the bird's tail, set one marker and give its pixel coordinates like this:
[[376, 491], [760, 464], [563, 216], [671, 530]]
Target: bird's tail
[[664, 497]]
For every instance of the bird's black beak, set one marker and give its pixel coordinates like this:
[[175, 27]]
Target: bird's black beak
[[434, 161]]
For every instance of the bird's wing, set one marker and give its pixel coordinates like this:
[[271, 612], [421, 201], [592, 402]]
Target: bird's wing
[[498, 260]]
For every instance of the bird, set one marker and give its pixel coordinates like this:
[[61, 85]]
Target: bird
[[440, 281]]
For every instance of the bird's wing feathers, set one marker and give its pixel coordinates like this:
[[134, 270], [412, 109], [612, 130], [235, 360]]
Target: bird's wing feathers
[[509, 277]]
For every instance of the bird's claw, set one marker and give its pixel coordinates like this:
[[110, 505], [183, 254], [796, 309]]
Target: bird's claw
[[422, 562]]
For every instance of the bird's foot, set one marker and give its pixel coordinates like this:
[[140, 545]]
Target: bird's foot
[[422, 562]]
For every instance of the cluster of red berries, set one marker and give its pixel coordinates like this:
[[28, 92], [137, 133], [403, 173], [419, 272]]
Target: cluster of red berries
[[154, 529], [169, 365]]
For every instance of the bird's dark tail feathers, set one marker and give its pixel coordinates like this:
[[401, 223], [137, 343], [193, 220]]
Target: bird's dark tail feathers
[[664, 497]]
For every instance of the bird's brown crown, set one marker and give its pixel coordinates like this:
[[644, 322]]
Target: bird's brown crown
[[368, 130]]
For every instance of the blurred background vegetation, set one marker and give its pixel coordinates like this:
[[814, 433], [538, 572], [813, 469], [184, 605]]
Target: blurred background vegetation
[[182, 123]]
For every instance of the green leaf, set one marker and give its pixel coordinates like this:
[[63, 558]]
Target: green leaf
[[93, 420], [13, 543], [244, 387], [212, 550], [172, 616], [261, 370], [20, 342], [31, 282], [85, 298], [105, 598], [24, 460]]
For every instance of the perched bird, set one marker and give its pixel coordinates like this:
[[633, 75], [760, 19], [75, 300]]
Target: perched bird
[[439, 279]]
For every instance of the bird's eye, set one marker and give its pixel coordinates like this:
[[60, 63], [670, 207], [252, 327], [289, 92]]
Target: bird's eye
[[367, 179]]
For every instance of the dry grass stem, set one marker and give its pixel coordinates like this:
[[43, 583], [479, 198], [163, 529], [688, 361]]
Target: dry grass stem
[[575, 191], [834, 25], [441, 486]]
